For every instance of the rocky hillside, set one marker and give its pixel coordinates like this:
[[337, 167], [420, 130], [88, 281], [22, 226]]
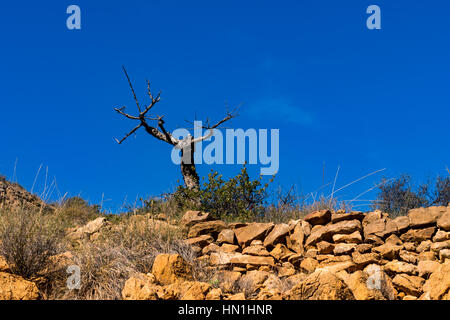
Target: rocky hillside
[[327, 255], [13, 195]]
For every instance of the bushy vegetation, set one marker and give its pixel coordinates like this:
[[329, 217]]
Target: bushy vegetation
[[76, 211], [27, 240], [239, 197], [398, 196]]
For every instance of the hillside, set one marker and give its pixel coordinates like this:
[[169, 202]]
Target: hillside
[[324, 256]]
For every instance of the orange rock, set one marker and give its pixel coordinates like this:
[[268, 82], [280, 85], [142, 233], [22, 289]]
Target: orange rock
[[13, 287], [171, 268]]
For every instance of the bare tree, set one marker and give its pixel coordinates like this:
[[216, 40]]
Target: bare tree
[[186, 145]]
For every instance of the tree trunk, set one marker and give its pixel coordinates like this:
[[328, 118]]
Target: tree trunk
[[190, 176]]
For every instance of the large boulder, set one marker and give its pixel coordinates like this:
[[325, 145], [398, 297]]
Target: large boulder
[[13, 287], [4, 267], [171, 268], [418, 235], [253, 231], [321, 285], [192, 217], [278, 233], [88, 230], [438, 285], [239, 259], [411, 285], [140, 287], [197, 291], [208, 227], [252, 281], [444, 221], [381, 227], [421, 217], [361, 287], [326, 233], [296, 239], [354, 215], [320, 217], [226, 236]]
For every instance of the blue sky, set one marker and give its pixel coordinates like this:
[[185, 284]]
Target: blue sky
[[341, 95]]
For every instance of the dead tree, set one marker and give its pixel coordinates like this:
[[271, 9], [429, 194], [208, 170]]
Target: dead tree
[[186, 145]]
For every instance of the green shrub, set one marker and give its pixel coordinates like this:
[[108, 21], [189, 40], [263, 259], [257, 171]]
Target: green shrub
[[239, 197]]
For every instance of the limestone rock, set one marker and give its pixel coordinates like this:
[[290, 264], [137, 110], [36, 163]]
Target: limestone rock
[[438, 246], [253, 231], [320, 217], [418, 235], [438, 284], [140, 287], [280, 251], [197, 291], [354, 237], [411, 285], [324, 247], [344, 248], [256, 250], [226, 247], [388, 251], [321, 285], [421, 217], [4, 265], [207, 227], [309, 265], [326, 232], [362, 260], [378, 280], [441, 235], [426, 268], [444, 221], [13, 287], [252, 281], [354, 215], [296, 239], [408, 256], [381, 227], [278, 232], [214, 294], [357, 282], [200, 241], [402, 223], [226, 236], [171, 268], [396, 266], [444, 254], [86, 231], [192, 217]]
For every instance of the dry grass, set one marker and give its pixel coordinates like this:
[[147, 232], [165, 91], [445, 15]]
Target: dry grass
[[27, 240], [127, 248]]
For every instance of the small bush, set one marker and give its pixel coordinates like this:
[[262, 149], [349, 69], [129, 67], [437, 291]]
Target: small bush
[[27, 240], [76, 212], [442, 191], [399, 195], [239, 197]]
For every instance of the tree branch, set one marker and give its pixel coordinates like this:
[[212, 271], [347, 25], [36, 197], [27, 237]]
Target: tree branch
[[129, 134]]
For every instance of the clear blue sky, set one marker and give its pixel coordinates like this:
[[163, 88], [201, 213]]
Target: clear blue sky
[[340, 94]]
